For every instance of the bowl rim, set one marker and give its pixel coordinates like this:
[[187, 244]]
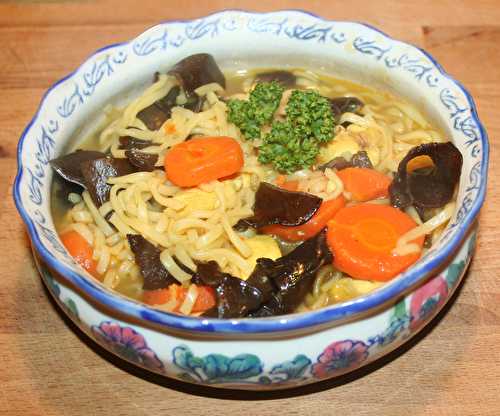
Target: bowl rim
[[333, 314]]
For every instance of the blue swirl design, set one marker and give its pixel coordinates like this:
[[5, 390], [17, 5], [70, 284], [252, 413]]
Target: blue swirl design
[[462, 121], [49, 234], [90, 80], [99, 71], [339, 37], [201, 28], [149, 45], [43, 152], [308, 32], [266, 25], [370, 47], [70, 103]]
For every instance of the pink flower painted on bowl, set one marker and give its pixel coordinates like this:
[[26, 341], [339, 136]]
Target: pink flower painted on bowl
[[127, 343], [426, 299], [339, 356]]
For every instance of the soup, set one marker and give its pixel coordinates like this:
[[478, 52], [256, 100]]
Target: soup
[[254, 193]]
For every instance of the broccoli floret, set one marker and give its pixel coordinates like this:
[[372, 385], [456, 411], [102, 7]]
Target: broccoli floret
[[251, 115], [311, 115], [286, 149], [292, 144]]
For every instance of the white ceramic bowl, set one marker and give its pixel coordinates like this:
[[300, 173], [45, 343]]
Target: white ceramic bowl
[[268, 353]]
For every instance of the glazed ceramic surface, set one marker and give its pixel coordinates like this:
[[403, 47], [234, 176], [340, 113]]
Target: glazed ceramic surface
[[274, 352]]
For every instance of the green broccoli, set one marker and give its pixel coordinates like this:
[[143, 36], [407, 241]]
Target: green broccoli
[[251, 115], [292, 144], [286, 149]]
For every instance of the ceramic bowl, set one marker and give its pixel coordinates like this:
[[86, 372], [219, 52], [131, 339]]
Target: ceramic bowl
[[283, 351]]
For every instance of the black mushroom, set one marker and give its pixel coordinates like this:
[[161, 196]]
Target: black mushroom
[[358, 160], [197, 70], [284, 282], [275, 287], [274, 205], [68, 166], [92, 170], [341, 105], [432, 182], [147, 257], [144, 162], [129, 143], [97, 172], [157, 113], [285, 78], [235, 297]]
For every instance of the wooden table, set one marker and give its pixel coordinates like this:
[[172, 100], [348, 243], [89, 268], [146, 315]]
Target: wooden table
[[49, 368]]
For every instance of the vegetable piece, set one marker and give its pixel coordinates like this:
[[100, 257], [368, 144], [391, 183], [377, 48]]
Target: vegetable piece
[[204, 301], [147, 257], [363, 237], [341, 105], [284, 78], [197, 70], [144, 162], [68, 166], [318, 221], [286, 149], [97, 172], [261, 246], [203, 160], [430, 187], [284, 282], [359, 160], [157, 113], [294, 144], [129, 143], [288, 185], [80, 250], [249, 116], [274, 205], [235, 298], [364, 184]]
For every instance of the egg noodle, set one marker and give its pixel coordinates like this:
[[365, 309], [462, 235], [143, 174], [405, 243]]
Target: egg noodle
[[196, 224]]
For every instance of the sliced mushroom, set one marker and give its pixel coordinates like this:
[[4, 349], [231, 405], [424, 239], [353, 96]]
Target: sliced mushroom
[[147, 257], [427, 176], [197, 70], [274, 205], [97, 172], [144, 162], [341, 105], [285, 78], [68, 166]]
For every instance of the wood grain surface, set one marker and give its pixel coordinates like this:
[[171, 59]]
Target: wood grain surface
[[49, 368]]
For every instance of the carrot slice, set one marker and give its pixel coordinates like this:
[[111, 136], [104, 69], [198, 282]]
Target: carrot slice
[[288, 185], [318, 221], [203, 159], [80, 250], [362, 238], [364, 184], [205, 299]]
